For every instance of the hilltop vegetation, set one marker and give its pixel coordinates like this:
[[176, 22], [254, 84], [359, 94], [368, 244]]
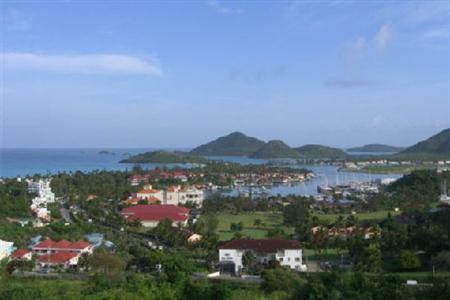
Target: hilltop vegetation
[[320, 151], [275, 149], [163, 157], [376, 148], [437, 146], [234, 144]]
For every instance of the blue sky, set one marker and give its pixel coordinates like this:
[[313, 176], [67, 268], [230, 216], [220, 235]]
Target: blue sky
[[180, 73]]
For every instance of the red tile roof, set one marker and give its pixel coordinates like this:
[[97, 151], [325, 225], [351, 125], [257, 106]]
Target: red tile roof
[[20, 253], [44, 245], [156, 213], [261, 246], [57, 258], [61, 245], [152, 191], [79, 245]]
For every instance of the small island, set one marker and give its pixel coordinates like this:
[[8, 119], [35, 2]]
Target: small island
[[106, 152], [381, 148], [164, 157]]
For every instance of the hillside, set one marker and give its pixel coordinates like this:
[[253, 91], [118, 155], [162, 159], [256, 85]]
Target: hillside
[[163, 157], [275, 149], [320, 151], [436, 146], [376, 148], [234, 144]]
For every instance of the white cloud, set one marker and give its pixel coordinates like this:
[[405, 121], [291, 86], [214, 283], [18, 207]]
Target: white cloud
[[81, 64], [221, 9], [383, 36]]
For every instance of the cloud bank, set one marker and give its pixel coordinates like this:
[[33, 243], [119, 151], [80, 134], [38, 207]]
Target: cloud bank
[[81, 64], [221, 9]]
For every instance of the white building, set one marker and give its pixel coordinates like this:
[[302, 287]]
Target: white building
[[43, 189], [6, 248], [180, 195], [149, 193], [287, 252]]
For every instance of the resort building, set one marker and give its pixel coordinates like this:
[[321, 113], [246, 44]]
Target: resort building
[[6, 248], [287, 252], [65, 260], [22, 254], [48, 246], [151, 215], [181, 195], [148, 193]]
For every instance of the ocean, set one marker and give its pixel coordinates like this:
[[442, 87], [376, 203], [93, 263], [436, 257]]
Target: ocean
[[24, 162]]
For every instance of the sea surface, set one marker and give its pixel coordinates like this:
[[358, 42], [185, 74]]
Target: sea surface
[[24, 162]]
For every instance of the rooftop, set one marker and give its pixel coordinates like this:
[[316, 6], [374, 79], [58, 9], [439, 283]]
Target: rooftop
[[261, 246], [155, 213]]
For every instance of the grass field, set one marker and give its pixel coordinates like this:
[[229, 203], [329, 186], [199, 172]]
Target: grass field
[[272, 220], [388, 169], [377, 215], [269, 220]]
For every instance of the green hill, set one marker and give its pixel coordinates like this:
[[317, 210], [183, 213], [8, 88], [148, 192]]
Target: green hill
[[376, 148], [275, 149], [161, 156], [320, 151], [234, 144], [437, 146]]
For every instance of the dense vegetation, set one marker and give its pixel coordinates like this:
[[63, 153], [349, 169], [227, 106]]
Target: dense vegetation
[[275, 149], [234, 144], [163, 157], [436, 146], [320, 151]]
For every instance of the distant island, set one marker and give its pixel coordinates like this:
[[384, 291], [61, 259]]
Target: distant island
[[234, 144], [376, 148], [106, 152], [239, 144], [320, 151], [164, 157], [275, 149]]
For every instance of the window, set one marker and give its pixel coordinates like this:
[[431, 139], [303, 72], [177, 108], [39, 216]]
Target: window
[[297, 259]]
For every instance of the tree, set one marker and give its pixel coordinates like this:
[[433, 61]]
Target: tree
[[107, 263], [279, 279], [369, 259], [257, 222], [249, 260], [442, 260], [408, 260], [206, 225]]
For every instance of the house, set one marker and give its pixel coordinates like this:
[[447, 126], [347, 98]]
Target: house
[[22, 254], [65, 260], [6, 248], [149, 193], [182, 194], [151, 215], [287, 252], [49, 246]]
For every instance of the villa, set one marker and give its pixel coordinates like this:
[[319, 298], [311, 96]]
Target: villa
[[287, 252]]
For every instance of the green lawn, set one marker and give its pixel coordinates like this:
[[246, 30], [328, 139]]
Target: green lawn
[[377, 215], [269, 220], [272, 220]]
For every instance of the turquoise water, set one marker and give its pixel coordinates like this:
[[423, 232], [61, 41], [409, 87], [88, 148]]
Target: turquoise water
[[23, 162]]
